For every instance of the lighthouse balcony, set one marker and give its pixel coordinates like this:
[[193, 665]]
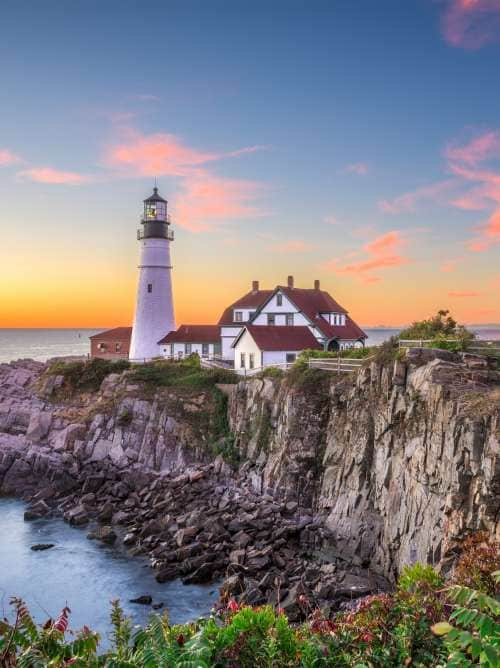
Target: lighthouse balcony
[[155, 230]]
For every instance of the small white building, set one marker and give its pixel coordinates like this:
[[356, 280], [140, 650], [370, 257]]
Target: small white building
[[204, 340], [258, 346]]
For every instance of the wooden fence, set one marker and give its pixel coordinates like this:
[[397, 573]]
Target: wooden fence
[[477, 346], [336, 364]]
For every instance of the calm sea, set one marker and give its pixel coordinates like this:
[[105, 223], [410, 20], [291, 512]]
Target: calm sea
[[42, 344]]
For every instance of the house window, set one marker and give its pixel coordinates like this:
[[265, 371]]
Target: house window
[[204, 349], [342, 319], [290, 358], [172, 349], [279, 299], [118, 347], [251, 314], [180, 354], [242, 360], [251, 360], [187, 348], [238, 316], [150, 287], [101, 346], [271, 319], [289, 319]]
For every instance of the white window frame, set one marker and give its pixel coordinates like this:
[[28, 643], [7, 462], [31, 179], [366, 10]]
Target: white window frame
[[243, 360], [271, 316], [251, 360], [289, 316], [188, 348], [279, 299], [238, 316]]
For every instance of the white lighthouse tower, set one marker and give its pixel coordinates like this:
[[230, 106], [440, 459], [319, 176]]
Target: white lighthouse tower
[[154, 308]]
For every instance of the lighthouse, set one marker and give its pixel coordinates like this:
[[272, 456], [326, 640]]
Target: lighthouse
[[154, 308]]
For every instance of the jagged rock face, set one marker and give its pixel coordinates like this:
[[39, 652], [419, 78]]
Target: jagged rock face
[[45, 438], [399, 464]]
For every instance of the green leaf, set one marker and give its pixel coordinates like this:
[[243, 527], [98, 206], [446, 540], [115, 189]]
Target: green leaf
[[441, 628]]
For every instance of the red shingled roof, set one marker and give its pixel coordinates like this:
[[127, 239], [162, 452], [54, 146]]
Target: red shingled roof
[[252, 299], [116, 334], [313, 302], [193, 334], [281, 337]]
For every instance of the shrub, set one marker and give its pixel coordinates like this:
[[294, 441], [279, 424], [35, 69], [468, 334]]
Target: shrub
[[438, 328], [87, 375], [414, 577], [479, 559], [182, 373]]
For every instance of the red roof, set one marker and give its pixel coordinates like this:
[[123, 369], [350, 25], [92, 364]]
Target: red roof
[[252, 299], [193, 334], [281, 337], [314, 302], [116, 334]]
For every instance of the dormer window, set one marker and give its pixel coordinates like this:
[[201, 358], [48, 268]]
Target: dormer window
[[279, 299], [238, 316]]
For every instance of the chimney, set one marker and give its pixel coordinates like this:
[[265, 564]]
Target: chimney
[[316, 284], [255, 286], [290, 281]]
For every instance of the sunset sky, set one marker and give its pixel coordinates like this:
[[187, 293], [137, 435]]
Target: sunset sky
[[351, 141]]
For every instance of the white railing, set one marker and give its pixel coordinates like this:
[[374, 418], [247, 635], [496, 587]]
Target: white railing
[[478, 346], [337, 364]]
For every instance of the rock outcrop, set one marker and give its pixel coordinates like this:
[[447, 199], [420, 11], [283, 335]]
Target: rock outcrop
[[340, 481], [398, 463]]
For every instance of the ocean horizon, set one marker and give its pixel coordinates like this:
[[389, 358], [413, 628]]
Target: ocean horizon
[[41, 344]]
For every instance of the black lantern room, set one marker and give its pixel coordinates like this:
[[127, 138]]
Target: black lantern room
[[155, 219]]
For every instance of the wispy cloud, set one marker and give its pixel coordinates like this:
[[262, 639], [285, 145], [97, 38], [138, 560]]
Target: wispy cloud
[[465, 294], [331, 220], [407, 202], [466, 162], [53, 176], [359, 168], [470, 24], [205, 199], [383, 252], [210, 200], [8, 158]]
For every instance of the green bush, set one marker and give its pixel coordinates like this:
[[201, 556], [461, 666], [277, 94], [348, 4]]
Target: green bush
[[413, 577], [182, 373], [440, 327], [87, 375]]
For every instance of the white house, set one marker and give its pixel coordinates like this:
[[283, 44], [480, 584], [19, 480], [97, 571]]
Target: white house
[[189, 339], [258, 346], [237, 314]]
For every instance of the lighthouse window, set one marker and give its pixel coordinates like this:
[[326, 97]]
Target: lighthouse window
[[150, 287]]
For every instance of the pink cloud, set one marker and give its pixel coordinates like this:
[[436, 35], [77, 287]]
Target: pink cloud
[[8, 158], [478, 149], [459, 294], [162, 155], [209, 200], [383, 253], [408, 201], [471, 24], [293, 246], [331, 220], [53, 176], [359, 168], [205, 200]]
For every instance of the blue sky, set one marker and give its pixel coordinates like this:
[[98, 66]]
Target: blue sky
[[277, 130]]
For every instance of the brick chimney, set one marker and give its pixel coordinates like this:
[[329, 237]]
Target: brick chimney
[[316, 284], [290, 281], [255, 286]]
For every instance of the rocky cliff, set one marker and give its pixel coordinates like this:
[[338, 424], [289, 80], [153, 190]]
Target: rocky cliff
[[323, 484], [398, 462]]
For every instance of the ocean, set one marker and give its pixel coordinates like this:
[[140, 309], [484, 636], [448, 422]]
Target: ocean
[[42, 344]]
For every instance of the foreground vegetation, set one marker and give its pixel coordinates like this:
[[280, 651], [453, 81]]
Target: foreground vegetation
[[423, 623]]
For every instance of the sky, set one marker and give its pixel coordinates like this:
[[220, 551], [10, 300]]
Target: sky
[[353, 142]]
